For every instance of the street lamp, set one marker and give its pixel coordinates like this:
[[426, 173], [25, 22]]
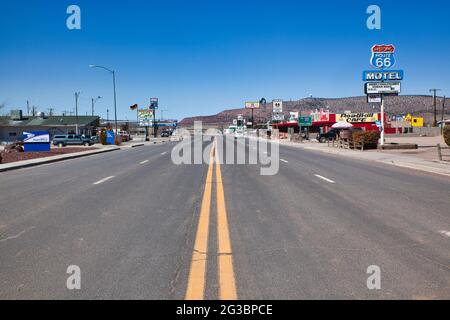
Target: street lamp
[[114, 85], [77, 96], [93, 103], [162, 114]]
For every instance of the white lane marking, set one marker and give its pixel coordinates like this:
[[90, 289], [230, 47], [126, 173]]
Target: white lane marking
[[445, 233], [285, 161], [144, 162], [163, 153], [103, 180], [17, 235], [324, 179]]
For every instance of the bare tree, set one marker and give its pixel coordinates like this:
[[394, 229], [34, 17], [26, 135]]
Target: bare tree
[[2, 106]]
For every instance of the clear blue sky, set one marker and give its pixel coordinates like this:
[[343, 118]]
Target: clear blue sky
[[200, 57]]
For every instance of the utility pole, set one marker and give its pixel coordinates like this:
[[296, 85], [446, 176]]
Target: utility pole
[[77, 95], [443, 115], [435, 105]]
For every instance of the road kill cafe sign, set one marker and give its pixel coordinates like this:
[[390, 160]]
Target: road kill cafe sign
[[357, 117]]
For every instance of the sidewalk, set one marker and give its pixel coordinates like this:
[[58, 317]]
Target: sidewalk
[[40, 161], [99, 149], [396, 159]]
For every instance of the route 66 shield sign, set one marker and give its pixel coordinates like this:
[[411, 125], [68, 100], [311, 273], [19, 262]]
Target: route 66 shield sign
[[383, 56]]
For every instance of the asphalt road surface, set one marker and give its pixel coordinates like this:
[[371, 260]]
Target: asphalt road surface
[[141, 227]]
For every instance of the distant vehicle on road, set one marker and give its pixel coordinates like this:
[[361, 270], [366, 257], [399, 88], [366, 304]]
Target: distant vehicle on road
[[71, 140], [165, 134]]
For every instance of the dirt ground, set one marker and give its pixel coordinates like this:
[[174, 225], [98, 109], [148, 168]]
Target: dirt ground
[[20, 156], [427, 147]]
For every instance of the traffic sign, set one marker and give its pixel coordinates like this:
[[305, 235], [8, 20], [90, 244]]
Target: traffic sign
[[305, 121], [277, 106], [380, 75], [383, 87], [374, 98], [383, 56]]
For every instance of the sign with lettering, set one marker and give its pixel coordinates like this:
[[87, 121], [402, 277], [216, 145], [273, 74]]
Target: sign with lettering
[[383, 56], [379, 75], [357, 117]]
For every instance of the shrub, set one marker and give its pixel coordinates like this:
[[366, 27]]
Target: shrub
[[370, 138], [447, 134], [103, 137]]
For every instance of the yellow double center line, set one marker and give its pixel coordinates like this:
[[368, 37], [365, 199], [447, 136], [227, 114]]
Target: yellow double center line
[[197, 275]]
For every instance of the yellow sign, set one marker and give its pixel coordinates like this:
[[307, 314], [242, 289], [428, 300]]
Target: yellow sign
[[357, 117], [417, 122]]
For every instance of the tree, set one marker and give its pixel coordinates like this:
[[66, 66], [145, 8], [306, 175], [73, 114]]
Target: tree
[[447, 134], [2, 106]]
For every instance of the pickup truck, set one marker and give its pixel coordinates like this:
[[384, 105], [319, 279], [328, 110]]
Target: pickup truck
[[71, 140]]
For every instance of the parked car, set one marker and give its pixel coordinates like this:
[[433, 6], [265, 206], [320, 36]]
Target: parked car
[[71, 140], [334, 134], [324, 137], [95, 139]]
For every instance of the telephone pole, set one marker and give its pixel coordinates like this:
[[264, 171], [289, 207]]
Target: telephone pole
[[443, 115], [435, 105]]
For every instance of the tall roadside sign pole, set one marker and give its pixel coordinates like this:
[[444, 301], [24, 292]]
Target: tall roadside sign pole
[[154, 102], [383, 81], [435, 105]]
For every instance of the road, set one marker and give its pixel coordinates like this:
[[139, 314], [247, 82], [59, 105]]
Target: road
[[141, 227]]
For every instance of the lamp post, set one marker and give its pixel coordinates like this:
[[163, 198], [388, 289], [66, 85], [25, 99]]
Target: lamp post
[[162, 114], [93, 103], [114, 86], [77, 95]]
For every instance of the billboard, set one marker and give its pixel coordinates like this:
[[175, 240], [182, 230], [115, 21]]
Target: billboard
[[321, 115], [357, 117], [252, 105], [145, 114], [154, 103]]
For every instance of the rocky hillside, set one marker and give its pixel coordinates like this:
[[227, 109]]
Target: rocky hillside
[[401, 105]]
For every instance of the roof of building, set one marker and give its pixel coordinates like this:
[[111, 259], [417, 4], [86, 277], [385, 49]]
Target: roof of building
[[51, 121]]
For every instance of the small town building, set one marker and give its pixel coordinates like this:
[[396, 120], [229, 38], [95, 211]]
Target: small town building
[[12, 127]]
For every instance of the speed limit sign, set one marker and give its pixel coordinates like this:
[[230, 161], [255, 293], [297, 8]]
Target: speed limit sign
[[383, 56]]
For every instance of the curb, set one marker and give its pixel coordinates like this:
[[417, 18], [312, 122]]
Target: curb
[[47, 161]]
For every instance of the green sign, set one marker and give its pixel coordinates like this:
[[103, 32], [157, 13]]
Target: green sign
[[305, 121]]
